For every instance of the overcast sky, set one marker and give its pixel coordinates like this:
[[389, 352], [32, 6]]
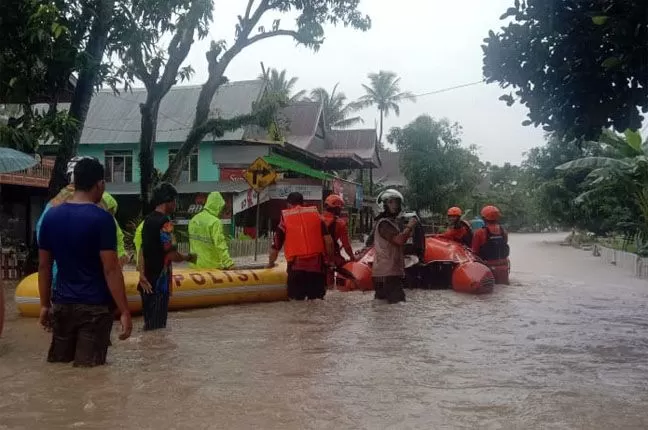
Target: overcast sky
[[430, 44]]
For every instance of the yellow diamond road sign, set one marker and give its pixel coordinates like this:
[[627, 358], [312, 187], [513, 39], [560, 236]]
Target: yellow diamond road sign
[[260, 174]]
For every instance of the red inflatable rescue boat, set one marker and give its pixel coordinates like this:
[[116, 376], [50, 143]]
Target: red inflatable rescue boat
[[445, 264]]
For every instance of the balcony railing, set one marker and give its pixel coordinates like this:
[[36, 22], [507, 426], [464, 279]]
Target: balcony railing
[[37, 176]]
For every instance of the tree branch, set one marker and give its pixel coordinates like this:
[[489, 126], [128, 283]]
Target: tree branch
[[180, 46], [141, 71], [295, 35], [248, 9]]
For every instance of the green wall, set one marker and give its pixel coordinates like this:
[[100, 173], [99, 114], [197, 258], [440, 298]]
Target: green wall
[[207, 170]]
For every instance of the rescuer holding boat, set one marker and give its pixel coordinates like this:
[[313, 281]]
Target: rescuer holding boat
[[206, 236], [307, 245], [458, 229], [389, 261], [339, 232], [158, 252], [491, 244]]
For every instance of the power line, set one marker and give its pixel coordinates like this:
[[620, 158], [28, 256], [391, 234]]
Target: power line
[[443, 90]]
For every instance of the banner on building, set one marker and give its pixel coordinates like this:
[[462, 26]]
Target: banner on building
[[234, 175], [281, 191], [248, 199]]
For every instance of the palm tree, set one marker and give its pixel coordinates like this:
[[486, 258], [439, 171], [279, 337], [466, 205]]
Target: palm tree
[[383, 92], [336, 112], [277, 83]]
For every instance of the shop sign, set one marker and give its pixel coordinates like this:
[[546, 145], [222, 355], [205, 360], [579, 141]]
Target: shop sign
[[281, 191], [248, 199], [233, 175]]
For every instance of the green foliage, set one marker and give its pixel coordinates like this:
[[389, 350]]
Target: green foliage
[[438, 169], [618, 178], [309, 31], [577, 65]]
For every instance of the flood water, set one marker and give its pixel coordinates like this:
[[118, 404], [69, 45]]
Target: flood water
[[564, 347]]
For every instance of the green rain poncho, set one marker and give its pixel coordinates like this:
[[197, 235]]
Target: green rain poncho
[[137, 241], [111, 206], [206, 236]]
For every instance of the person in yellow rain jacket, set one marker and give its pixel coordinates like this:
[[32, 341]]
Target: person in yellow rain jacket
[[206, 236], [111, 206], [137, 241]]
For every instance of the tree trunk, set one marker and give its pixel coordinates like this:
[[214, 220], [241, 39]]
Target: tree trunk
[[196, 135], [83, 93], [382, 115], [149, 111]]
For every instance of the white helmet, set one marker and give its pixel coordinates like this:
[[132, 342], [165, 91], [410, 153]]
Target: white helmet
[[388, 195], [72, 164]]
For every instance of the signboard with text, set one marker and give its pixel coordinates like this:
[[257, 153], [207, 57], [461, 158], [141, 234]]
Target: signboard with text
[[233, 175], [281, 191], [247, 199]]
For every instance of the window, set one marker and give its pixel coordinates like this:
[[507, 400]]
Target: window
[[119, 166], [190, 169]]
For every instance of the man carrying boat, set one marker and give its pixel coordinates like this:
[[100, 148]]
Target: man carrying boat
[[307, 245], [206, 236], [389, 262], [458, 229], [339, 232], [491, 244]]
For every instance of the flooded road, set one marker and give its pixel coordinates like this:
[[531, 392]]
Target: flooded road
[[565, 347]]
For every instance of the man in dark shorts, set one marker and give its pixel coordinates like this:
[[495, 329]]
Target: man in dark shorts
[[82, 238], [157, 253], [307, 244]]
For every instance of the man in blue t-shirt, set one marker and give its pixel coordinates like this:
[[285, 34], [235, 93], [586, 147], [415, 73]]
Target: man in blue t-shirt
[[81, 237]]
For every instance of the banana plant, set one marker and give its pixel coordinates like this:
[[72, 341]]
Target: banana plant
[[625, 168]]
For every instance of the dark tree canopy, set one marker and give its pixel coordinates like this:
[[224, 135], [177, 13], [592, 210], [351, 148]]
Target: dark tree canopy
[[578, 65]]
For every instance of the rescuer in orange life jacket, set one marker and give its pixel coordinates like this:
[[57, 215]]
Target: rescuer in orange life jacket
[[308, 247], [339, 232], [458, 229], [490, 243]]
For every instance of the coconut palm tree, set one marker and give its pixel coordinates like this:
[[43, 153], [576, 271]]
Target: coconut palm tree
[[336, 111], [277, 83], [383, 92]]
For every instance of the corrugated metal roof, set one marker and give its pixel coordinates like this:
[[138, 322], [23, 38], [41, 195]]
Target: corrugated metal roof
[[389, 173], [116, 118], [360, 142]]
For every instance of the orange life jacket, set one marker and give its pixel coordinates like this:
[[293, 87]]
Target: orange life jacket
[[303, 232]]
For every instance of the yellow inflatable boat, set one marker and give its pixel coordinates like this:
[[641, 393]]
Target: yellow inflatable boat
[[191, 288]]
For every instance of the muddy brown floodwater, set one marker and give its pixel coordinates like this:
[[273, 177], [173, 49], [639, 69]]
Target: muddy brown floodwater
[[565, 347]]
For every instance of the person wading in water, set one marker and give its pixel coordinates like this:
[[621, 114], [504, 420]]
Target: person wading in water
[[307, 244], [158, 252], [82, 238], [389, 262]]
